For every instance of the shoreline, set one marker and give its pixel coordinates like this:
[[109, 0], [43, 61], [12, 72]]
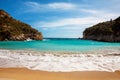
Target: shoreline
[[57, 62], [26, 74]]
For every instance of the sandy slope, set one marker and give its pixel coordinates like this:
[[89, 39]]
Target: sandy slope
[[26, 74]]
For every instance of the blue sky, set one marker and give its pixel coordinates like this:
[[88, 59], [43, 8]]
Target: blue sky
[[62, 18]]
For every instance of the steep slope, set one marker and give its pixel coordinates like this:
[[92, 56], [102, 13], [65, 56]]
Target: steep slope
[[12, 29], [107, 31]]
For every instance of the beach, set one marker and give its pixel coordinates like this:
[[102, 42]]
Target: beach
[[61, 61], [26, 74], [34, 65], [59, 40]]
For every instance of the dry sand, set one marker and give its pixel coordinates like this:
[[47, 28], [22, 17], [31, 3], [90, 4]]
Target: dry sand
[[26, 74]]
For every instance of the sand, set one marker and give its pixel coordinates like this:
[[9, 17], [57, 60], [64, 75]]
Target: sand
[[26, 65], [26, 74]]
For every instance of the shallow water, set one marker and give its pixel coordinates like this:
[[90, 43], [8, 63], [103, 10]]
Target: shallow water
[[58, 55], [71, 45]]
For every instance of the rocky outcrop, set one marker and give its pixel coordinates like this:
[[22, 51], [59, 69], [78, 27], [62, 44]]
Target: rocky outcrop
[[107, 31], [12, 29]]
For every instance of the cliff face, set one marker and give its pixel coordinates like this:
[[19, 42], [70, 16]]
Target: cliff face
[[12, 29], [107, 31]]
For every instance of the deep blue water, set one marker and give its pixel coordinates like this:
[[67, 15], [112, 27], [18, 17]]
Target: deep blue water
[[57, 45]]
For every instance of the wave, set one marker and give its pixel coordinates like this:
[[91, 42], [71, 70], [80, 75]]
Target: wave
[[63, 62], [28, 39], [46, 39]]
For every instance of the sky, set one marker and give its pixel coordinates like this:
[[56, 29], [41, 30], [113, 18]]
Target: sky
[[62, 18]]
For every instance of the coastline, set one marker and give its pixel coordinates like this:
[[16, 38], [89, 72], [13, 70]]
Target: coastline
[[57, 62], [32, 65], [26, 74]]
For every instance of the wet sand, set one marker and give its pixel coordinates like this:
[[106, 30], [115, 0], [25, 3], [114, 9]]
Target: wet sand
[[26, 74]]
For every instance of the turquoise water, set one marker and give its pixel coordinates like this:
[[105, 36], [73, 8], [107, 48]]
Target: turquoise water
[[57, 45]]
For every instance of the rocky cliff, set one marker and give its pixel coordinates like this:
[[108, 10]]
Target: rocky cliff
[[107, 31], [12, 29]]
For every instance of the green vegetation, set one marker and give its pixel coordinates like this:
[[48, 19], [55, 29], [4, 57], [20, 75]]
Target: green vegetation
[[106, 31], [11, 29]]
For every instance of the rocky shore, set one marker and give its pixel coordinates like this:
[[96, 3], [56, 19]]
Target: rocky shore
[[12, 29], [107, 31]]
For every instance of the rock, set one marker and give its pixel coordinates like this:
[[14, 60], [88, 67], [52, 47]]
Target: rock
[[12, 29], [107, 31]]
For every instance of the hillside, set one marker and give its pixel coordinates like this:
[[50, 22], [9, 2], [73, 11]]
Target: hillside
[[12, 29], [107, 31]]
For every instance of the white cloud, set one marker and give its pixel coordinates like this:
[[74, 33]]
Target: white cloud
[[78, 16], [70, 22], [59, 6], [76, 23], [38, 7], [78, 9], [99, 13], [65, 6], [90, 11]]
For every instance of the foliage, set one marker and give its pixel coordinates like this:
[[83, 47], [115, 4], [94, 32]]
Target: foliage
[[10, 27], [109, 28]]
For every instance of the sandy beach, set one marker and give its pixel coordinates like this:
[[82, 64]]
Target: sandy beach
[[59, 39], [30, 65], [26, 74]]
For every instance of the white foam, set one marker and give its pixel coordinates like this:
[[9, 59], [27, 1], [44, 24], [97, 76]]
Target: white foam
[[28, 39], [110, 61]]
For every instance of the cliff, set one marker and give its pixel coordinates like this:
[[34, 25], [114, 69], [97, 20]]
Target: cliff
[[107, 31], [12, 29]]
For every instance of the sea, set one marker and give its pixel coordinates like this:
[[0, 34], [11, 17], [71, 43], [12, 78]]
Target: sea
[[60, 55], [58, 44]]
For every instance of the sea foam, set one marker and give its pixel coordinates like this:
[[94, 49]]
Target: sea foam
[[103, 60]]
